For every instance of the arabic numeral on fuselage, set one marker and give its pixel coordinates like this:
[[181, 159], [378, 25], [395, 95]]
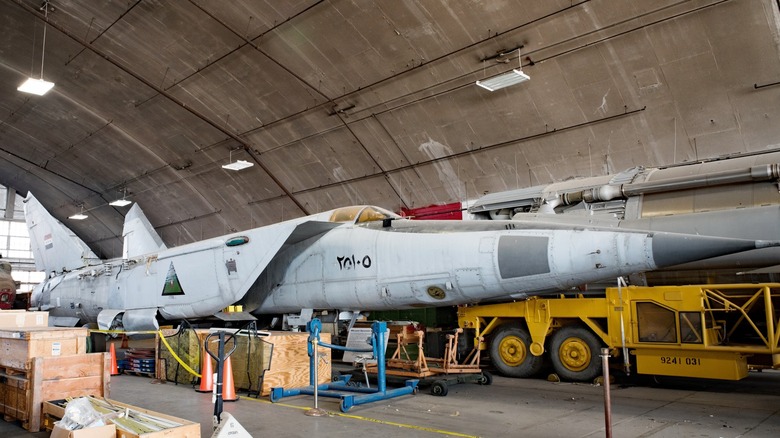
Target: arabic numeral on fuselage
[[352, 262]]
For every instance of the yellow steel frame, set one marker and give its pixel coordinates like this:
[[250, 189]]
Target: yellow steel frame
[[724, 312]]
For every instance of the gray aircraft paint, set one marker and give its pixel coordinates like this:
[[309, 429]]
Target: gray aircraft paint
[[311, 263]]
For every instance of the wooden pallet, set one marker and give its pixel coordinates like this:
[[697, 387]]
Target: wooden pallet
[[151, 374]]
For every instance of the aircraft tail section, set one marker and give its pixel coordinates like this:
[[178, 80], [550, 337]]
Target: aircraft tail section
[[54, 246], [139, 235]]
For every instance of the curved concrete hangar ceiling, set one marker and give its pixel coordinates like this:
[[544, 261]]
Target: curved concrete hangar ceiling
[[346, 102]]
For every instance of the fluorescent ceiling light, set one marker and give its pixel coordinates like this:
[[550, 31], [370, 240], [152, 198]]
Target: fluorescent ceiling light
[[78, 217], [504, 80], [39, 86], [120, 203], [238, 165], [35, 86]]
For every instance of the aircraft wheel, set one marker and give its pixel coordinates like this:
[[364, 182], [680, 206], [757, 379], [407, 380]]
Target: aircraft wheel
[[439, 388], [485, 379], [510, 354], [574, 352]]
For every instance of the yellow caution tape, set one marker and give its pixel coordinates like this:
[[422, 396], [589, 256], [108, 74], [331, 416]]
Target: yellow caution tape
[[123, 332], [162, 337], [175, 356]]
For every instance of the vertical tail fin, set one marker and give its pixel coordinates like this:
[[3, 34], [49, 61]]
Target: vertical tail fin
[[139, 235], [54, 246]]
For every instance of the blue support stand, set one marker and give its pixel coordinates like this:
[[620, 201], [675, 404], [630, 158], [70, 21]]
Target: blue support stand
[[340, 389]]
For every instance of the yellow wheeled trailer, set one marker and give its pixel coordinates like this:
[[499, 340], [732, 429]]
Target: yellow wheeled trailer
[[709, 331]]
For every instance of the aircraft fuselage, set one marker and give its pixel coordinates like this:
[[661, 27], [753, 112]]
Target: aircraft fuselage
[[310, 263]]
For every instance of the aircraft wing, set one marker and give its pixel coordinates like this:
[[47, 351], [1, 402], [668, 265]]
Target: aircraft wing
[[309, 229], [775, 269], [278, 237], [244, 263]]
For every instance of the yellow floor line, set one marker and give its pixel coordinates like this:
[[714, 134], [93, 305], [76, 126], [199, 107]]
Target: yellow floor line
[[372, 420]]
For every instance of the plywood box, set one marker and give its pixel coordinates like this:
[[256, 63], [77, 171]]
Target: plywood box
[[289, 367], [278, 359], [21, 319], [22, 393], [19, 346]]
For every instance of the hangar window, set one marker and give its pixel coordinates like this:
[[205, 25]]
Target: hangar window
[[656, 323], [361, 213]]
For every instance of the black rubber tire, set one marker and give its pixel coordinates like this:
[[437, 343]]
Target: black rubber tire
[[485, 379], [439, 388], [510, 352], [575, 353]]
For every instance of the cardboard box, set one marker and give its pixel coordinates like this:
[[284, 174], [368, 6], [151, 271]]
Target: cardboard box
[[90, 432], [23, 319]]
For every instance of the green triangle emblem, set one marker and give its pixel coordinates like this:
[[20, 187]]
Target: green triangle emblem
[[172, 285]]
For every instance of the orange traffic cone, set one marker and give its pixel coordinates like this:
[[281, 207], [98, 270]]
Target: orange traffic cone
[[206, 373], [114, 368], [228, 388]]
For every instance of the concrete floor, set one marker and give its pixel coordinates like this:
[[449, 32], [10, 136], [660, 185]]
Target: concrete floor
[[510, 407]]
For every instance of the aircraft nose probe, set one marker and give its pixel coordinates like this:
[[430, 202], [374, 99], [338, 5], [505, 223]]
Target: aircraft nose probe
[[767, 243], [671, 249]]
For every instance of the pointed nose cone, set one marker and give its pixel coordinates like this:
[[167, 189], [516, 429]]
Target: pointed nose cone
[[671, 249]]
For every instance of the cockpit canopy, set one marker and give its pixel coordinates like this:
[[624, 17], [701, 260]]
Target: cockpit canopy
[[359, 214]]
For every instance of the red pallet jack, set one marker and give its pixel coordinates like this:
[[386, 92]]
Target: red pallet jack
[[225, 425]]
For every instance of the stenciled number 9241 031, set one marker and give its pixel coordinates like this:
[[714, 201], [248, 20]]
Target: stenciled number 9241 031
[[674, 360]]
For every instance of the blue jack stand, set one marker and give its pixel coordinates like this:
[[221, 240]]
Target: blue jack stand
[[338, 389]]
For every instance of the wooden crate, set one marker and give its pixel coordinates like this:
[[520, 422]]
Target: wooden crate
[[188, 429], [14, 319], [13, 394], [290, 361], [283, 356], [187, 347], [280, 359], [46, 378], [19, 346]]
